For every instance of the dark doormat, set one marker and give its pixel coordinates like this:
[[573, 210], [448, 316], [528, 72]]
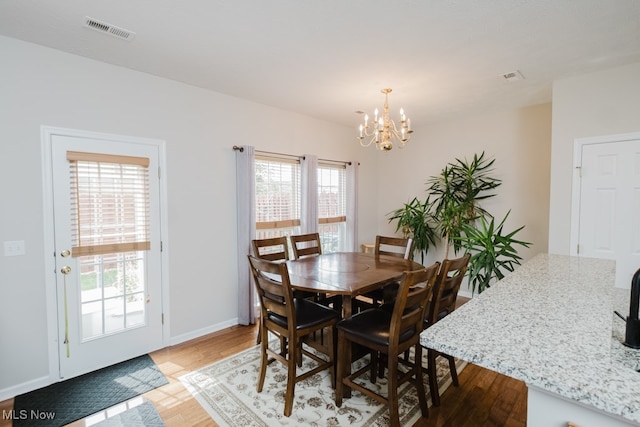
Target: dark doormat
[[66, 401]]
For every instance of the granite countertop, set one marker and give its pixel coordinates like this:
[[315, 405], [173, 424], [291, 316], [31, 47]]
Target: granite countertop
[[551, 325]]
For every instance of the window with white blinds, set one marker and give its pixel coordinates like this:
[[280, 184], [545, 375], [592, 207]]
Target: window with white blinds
[[278, 195], [332, 206], [110, 203]]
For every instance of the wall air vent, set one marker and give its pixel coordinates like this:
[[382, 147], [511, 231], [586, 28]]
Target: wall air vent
[[106, 28]]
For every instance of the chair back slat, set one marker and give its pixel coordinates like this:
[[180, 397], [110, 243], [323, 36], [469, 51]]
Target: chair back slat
[[272, 249], [411, 303], [394, 246], [305, 245], [445, 291]]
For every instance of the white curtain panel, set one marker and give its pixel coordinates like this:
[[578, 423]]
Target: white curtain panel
[[246, 223], [352, 206], [309, 208]]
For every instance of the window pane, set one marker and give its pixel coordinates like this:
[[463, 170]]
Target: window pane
[[91, 320], [332, 207], [333, 236], [114, 314], [278, 195], [135, 310]]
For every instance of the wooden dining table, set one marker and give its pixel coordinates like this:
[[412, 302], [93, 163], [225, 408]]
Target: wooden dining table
[[348, 274]]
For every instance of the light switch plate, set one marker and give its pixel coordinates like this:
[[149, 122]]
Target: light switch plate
[[14, 248]]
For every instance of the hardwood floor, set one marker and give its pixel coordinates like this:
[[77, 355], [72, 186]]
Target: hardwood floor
[[484, 398]]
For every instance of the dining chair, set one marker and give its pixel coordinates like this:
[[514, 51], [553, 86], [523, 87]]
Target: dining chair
[[390, 333], [305, 245], [272, 249], [390, 246], [443, 303], [394, 246], [292, 320]]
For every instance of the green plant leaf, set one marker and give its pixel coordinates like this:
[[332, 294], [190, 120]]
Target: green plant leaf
[[493, 252]]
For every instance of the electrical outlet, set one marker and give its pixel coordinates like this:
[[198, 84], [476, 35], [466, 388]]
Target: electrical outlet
[[14, 248]]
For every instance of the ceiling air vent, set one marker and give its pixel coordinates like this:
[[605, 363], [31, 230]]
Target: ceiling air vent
[[106, 28], [513, 76]]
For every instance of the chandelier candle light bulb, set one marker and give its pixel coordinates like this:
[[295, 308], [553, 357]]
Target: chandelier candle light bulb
[[384, 131]]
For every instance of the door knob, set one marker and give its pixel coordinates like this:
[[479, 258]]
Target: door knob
[[65, 253], [65, 270]]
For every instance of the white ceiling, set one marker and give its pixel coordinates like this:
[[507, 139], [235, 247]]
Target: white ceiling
[[329, 58]]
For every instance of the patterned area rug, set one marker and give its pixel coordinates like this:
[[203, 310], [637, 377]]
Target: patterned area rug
[[227, 391]]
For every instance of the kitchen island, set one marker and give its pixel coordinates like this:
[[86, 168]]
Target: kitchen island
[[551, 324]]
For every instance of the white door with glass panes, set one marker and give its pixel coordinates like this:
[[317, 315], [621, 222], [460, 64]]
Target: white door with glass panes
[[107, 250]]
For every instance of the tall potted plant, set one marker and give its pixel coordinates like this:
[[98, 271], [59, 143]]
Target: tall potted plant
[[453, 213], [456, 194], [415, 221]]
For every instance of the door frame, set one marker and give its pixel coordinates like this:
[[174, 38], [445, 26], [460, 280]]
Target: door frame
[[46, 135], [576, 189]]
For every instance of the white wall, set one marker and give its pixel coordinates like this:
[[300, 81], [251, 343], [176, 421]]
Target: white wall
[[520, 142], [40, 86], [597, 104]]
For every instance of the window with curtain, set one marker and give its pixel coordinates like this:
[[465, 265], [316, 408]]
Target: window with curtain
[[332, 206], [278, 195]]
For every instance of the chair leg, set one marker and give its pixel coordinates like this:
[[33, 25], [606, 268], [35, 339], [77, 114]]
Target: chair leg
[[394, 412], [419, 382], [381, 360], [452, 368], [373, 375], [433, 379], [331, 350], [341, 365], [264, 360], [292, 359]]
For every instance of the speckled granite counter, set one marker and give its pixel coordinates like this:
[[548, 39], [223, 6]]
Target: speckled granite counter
[[551, 325]]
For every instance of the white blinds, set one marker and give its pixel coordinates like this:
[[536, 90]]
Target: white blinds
[[110, 203], [277, 193]]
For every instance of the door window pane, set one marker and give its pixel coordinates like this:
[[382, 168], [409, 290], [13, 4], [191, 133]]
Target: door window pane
[[112, 293]]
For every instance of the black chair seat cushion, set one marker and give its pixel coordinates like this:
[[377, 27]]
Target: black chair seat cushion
[[372, 325], [386, 293], [441, 315], [308, 314]]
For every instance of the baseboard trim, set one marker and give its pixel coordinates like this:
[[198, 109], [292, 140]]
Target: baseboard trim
[[179, 339], [13, 391]]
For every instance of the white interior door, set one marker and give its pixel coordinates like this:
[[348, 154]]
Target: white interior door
[[609, 220], [109, 293]]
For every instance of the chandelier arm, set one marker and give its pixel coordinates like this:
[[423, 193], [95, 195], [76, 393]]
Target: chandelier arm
[[366, 144]]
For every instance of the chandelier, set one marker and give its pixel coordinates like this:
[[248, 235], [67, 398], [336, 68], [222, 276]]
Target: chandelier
[[383, 131]]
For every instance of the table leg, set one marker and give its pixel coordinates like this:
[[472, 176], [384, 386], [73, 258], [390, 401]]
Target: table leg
[[346, 312]]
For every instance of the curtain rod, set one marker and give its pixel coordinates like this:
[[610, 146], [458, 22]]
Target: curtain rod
[[241, 149]]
